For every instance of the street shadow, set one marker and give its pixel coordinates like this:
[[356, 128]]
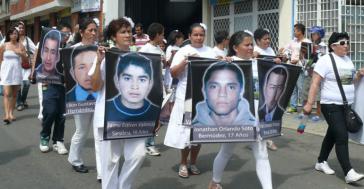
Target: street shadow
[[205, 163], [8, 156], [26, 116], [249, 179], [166, 183]]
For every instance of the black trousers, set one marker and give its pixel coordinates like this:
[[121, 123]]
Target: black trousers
[[336, 134], [53, 112]]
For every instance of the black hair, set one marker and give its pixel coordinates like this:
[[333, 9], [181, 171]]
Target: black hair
[[9, 32], [186, 42], [140, 25], [134, 59], [194, 26], [62, 25], [173, 36], [337, 36], [154, 29], [260, 33], [223, 66], [300, 27], [278, 71], [80, 49], [220, 36], [114, 26], [53, 35], [20, 23], [235, 40], [82, 27]]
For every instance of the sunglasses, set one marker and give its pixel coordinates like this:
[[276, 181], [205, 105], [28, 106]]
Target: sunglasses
[[343, 42]]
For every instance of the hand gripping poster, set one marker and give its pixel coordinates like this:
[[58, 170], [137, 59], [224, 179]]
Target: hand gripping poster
[[77, 62], [48, 68], [276, 84], [133, 94], [222, 101]]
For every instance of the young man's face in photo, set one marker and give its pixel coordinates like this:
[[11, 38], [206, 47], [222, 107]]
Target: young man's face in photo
[[83, 63], [134, 86], [273, 89], [223, 92], [50, 55]]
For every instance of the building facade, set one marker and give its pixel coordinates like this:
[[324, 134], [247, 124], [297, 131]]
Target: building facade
[[336, 16], [48, 13]]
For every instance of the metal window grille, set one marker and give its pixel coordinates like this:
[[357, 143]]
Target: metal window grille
[[221, 10], [245, 6], [267, 5], [271, 22], [247, 14], [336, 16]]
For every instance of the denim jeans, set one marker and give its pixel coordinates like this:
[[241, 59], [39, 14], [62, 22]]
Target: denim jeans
[[53, 112], [23, 93], [297, 90]]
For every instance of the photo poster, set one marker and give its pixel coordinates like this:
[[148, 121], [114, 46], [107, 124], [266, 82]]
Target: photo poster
[[306, 50], [133, 94], [187, 115], [77, 62], [276, 84], [48, 68], [222, 101]]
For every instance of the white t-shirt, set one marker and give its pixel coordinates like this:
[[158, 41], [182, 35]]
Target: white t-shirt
[[149, 48], [185, 51], [254, 65], [169, 50], [220, 52], [330, 92], [267, 52], [99, 113], [295, 47]]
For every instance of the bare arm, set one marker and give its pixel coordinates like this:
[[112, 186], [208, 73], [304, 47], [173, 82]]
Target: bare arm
[[179, 68], [31, 76], [359, 75], [96, 79], [2, 50], [315, 84]]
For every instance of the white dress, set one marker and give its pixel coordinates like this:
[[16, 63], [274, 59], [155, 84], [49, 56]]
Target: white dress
[[178, 135], [359, 108], [11, 70]]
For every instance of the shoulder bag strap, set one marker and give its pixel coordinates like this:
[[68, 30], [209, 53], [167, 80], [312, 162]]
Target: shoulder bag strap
[[338, 79], [28, 48]]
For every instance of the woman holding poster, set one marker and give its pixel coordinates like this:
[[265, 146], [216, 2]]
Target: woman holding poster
[[87, 34], [119, 31], [241, 48], [262, 39], [178, 135]]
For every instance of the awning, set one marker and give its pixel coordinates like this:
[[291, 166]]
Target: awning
[[4, 17], [53, 6]]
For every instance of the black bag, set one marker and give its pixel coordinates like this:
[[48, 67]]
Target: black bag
[[353, 121]]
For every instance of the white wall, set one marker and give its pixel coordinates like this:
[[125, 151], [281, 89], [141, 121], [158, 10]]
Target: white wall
[[285, 22], [206, 19], [113, 9]]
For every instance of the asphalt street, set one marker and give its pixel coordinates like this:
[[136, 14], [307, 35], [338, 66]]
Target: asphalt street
[[22, 165]]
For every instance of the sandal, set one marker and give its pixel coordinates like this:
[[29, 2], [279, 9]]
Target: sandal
[[271, 145], [183, 171], [214, 185], [194, 170]]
